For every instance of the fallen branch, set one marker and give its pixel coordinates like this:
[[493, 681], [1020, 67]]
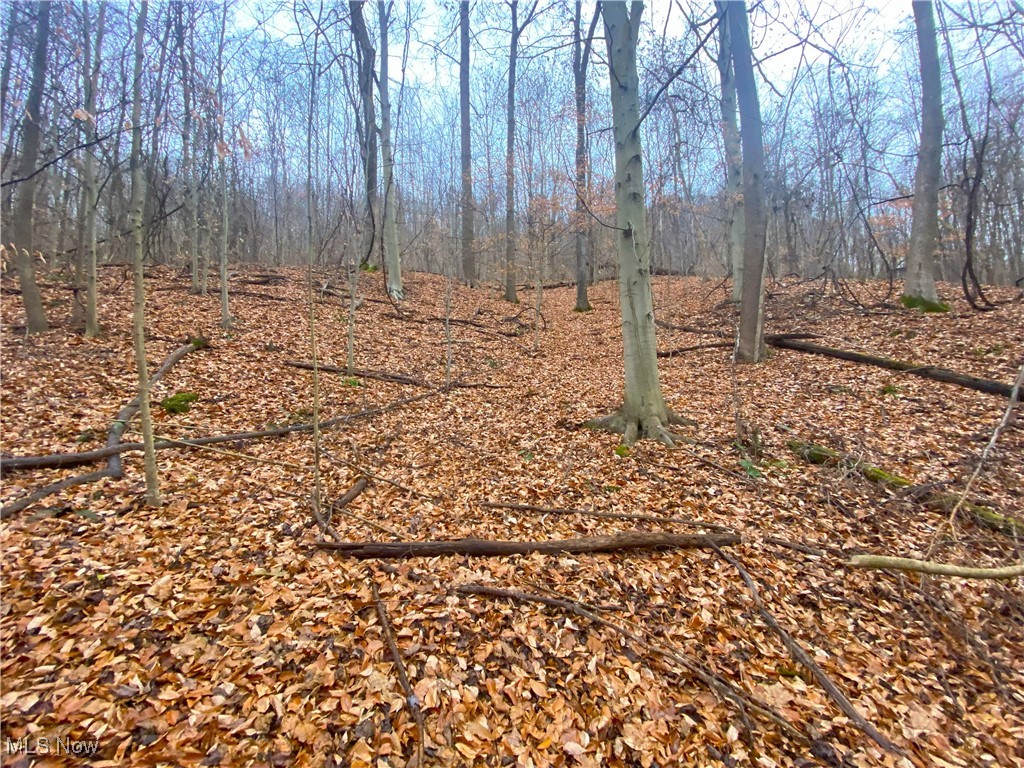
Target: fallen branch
[[411, 699], [396, 378], [74, 459], [800, 655], [946, 502], [630, 540], [719, 685], [114, 468], [924, 371], [608, 515], [880, 562]]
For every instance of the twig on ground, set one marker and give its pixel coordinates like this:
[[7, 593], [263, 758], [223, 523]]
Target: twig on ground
[[800, 655], [411, 699], [716, 683]]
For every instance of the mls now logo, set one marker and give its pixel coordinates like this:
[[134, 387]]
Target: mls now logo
[[47, 746]]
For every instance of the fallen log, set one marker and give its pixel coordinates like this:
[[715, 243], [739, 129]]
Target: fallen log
[[79, 458], [924, 371], [396, 378], [986, 516], [881, 562], [629, 540], [121, 421]]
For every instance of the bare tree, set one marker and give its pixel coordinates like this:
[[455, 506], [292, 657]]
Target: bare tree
[[733, 156], [392, 254], [466, 157], [91, 61], [644, 412], [919, 288], [581, 48], [24, 210], [751, 341], [135, 247]]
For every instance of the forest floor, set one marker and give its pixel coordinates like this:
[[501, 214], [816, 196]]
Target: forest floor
[[212, 631]]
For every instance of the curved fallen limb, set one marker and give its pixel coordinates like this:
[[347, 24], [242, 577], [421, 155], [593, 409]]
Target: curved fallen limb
[[882, 562]]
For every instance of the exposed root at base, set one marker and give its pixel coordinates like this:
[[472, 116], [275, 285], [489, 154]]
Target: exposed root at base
[[633, 427]]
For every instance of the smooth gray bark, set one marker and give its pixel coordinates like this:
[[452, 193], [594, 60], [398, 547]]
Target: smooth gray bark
[[24, 208], [465, 153], [733, 156], [138, 199], [643, 412], [751, 342], [924, 228], [392, 254]]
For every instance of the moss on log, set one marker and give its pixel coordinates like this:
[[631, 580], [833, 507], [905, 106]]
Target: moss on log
[[986, 516]]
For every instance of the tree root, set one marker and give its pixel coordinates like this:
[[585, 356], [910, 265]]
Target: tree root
[[632, 427]]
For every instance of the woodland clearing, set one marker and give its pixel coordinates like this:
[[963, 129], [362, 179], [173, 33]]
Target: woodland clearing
[[213, 630]]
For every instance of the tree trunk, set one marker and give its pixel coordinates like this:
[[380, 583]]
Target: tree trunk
[[644, 412], [191, 246], [135, 245], [510, 161], [90, 74], [468, 256], [733, 155], [392, 254], [924, 229], [580, 62], [222, 152], [24, 210], [751, 341], [366, 56]]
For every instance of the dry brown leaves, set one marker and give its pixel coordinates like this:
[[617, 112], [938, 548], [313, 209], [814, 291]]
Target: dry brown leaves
[[210, 632]]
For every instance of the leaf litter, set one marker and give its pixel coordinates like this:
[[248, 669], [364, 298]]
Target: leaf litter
[[212, 631]]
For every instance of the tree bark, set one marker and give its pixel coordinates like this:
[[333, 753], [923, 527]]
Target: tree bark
[[24, 210], [365, 63], [90, 76], [644, 412], [139, 294], [581, 49], [924, 229], [392, 254], [222, 153], [466, 157], [751, 341], [510, 160], [733, 154], [629, 540]]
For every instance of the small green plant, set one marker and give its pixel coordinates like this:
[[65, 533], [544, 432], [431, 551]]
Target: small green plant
[[622, 450], [86, 436], [995, 349], [368, 267], [179, 402], [890, 389], [925, 305], [751, 468], [352, 381], [490, 362], [199, 342], [526, 455], [611, 488]]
